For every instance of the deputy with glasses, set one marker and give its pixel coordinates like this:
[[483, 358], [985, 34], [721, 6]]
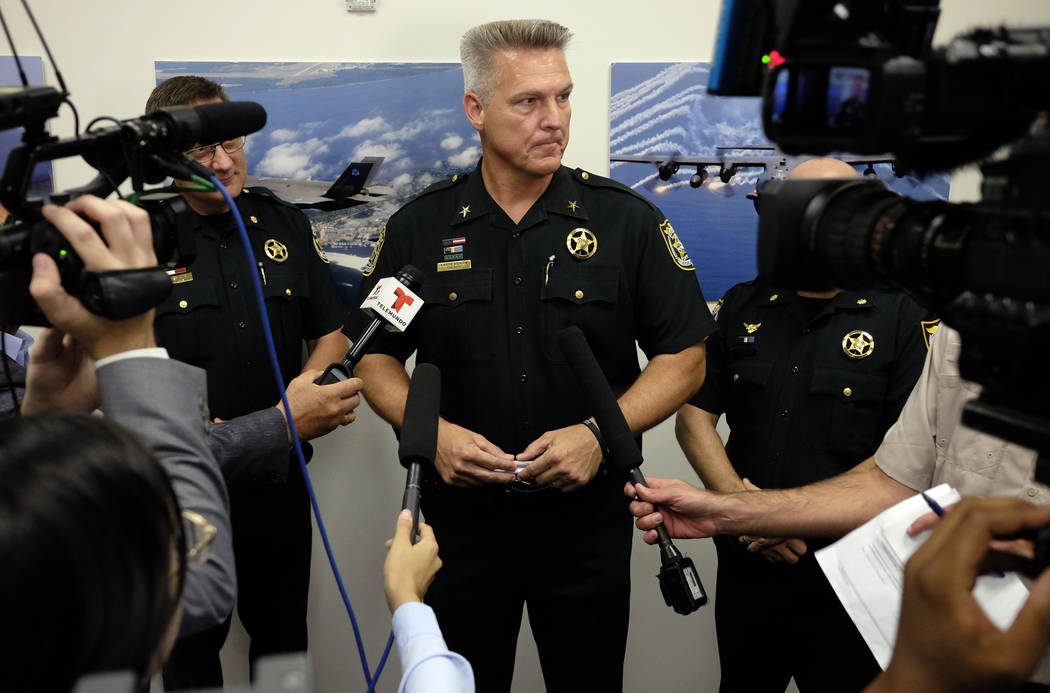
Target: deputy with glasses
[[211, 320]]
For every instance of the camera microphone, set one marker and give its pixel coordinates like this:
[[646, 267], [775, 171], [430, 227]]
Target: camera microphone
[[392, 303], [679, 581], [184, 126], [419, 432]]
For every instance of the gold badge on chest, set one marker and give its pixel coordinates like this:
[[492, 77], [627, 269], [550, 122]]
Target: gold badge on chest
[[275, 250], [858, 344], [752, 327], [582, 243]]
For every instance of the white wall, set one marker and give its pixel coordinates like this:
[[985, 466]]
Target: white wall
[[106, 51]]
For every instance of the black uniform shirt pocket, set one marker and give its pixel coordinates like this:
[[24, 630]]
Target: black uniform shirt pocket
[[749, 384], [586, 297], [853, 403], [456, 320], [287, 295], [187, 323]]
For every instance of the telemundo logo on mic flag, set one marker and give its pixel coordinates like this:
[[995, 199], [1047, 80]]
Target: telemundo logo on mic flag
[[394, 302]]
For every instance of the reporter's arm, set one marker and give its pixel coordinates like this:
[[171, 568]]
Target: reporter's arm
[[165, 403], [427, 665], [252, 448], [829, 508]]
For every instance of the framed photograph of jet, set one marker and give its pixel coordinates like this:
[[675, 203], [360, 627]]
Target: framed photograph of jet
[[349, 143], [699, 158]]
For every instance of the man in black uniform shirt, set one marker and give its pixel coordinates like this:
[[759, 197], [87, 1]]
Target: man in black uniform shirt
[[512, 253], [211, 321], [809, 383]]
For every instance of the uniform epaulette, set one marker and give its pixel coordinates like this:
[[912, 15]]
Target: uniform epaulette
[[443, 184], [596, 181], [259, 191]]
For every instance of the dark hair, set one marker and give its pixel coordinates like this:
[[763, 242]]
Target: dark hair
[[184, 90], [88, 524]]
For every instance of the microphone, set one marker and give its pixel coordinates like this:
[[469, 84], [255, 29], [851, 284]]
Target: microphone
[[419, 432], [392, 303], [679, 581], [183, 126]]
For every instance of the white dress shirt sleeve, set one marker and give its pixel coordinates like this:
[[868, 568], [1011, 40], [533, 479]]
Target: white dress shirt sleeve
[[427, 666]]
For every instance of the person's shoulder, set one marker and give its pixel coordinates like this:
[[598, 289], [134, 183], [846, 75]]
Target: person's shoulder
[[433, 193], [896, 301], [259, 195], [742, 294], [617, 192]]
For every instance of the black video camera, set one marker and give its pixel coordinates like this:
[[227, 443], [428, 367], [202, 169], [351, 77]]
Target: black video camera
[[146, 149], [861, 76]]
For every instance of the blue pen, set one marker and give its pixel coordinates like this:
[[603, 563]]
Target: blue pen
[[939, 512], [934, 505]]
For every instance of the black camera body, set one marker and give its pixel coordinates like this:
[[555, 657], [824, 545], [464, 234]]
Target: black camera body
[[862, 76], [146, 150]]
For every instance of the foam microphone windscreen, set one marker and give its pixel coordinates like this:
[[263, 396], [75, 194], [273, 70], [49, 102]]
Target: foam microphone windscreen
[[623, 450], [419, 428], [225, 121]]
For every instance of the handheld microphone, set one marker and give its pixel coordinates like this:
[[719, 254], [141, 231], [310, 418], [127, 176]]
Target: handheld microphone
[[392, 303], [419, 432], [679, 581]]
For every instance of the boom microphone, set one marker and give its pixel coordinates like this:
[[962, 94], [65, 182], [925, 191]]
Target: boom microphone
[[392, 303], [679, 581], [419, 432]]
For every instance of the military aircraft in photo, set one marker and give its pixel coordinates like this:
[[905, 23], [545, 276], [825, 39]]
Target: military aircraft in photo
[[773, 164], [350, 189]]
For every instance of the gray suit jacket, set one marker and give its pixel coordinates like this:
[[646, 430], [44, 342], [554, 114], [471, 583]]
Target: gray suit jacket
[[252, 448], [165, 403]]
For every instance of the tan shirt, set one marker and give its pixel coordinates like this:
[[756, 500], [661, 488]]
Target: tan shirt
[[928, 445]]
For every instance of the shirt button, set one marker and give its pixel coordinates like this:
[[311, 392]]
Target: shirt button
[[518, 280], [233, 285], [242, 324], [847, 391], [785, 412], [222, 246], [526, 424], [806, 330], [183, 304], [1032, 492], [776, 455], [736, 377], [516, 234], [287, 292], [519, 330], [579, 294], [453, 296], [794, 369], [523, 377], [247, 364]]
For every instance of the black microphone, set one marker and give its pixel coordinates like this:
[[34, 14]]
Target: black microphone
[[419, 433], [184, 126], [679, 581], [408, 277]]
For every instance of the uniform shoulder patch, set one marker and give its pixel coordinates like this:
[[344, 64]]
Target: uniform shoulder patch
[[675, 247], [718, 306], [370, 266], [320, 250], [929, 327]]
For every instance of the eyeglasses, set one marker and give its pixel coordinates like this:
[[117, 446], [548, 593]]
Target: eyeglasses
[[199, 534], [205, 153]]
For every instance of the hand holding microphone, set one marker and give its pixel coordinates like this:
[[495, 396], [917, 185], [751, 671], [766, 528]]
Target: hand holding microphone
[[393, 303], [679, 581]]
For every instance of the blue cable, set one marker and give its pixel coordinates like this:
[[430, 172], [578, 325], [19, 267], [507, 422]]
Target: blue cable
[[272, 351], [382, 661]]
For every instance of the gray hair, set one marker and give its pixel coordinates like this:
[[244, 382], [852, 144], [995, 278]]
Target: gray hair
[[478, 48]]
